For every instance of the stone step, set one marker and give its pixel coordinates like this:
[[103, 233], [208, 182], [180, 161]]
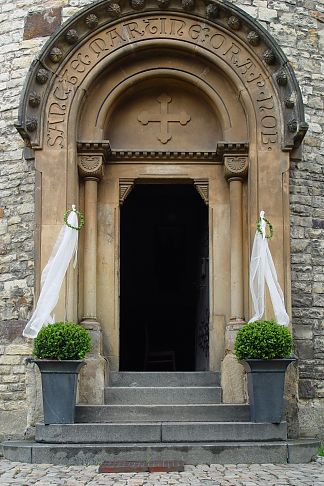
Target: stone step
[[164, 378], [162, 395], [160, 432], [274, 452], [222, 431], [162, 413]]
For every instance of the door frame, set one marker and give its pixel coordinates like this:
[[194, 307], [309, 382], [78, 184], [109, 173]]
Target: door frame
[[122, 177], [201, 189]]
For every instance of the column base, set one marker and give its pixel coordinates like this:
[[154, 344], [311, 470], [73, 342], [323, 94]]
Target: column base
[[232, 372], [92, 378]]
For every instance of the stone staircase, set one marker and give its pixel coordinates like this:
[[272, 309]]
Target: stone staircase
[[162, 416]]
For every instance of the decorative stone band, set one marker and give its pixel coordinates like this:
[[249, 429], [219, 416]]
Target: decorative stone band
[[235, 167], [92, 157]]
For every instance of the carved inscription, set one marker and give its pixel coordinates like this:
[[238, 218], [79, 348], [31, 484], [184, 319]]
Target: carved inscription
[[164, 118], [164, 27]]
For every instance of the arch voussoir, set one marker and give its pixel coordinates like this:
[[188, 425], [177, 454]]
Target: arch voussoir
[[220, 27]]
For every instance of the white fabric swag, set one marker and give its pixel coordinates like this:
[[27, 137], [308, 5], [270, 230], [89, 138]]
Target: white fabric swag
[[262, 270], [53, 275]]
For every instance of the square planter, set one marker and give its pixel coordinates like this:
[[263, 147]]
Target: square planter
[[266, 382], [59, 383]]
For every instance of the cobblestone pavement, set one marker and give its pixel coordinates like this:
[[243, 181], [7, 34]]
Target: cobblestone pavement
[[17, 473]]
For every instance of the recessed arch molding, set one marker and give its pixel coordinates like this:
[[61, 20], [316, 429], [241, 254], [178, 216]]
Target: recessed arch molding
[[105, 27]]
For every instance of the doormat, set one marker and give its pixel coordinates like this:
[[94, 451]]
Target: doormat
[[141, 466]]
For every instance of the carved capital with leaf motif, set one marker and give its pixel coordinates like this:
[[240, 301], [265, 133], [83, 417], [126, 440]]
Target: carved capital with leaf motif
[[235, 167]]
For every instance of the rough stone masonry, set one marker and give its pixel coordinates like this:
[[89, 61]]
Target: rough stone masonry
[[298, 27]]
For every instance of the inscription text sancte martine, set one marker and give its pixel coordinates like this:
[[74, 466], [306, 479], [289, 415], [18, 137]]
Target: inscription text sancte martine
[[206, 36]]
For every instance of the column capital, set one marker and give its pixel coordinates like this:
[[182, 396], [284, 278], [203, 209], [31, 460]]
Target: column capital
[[235, 167], [91, 158], [90, 167]]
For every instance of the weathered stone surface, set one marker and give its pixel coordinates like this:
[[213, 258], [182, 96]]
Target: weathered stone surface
[[9, 330], [306, 389], [215, 474], [43, 23], [232, 380], [311, 417], [13, 424]]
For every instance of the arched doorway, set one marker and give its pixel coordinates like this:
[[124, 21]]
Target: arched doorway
[[121, 96]]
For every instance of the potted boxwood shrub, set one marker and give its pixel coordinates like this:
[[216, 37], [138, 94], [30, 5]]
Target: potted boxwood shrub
[[265, 350], [60, 349]]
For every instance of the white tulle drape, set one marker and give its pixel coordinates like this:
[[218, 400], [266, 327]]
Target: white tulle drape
[[263, 270], [53, 275]]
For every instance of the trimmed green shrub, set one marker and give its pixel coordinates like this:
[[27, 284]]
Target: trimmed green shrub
[[62, 340], [263, 340]]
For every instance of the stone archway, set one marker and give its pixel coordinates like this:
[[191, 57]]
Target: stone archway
[[242, 115]]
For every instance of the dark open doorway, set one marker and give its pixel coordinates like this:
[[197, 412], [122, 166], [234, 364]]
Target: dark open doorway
[[164, 304]]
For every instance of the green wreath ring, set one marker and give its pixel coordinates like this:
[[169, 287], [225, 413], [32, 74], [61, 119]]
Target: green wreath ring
[[80, 217], [259, 229]]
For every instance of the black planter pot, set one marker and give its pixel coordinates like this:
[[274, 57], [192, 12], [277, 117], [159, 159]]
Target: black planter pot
[[266, 381], [59, 382]]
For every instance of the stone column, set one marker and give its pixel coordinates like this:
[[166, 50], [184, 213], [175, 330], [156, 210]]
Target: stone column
[[235, 171], [90, 169], [92, 376]]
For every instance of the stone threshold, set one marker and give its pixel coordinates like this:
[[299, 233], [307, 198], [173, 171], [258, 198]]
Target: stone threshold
[[271, 452]]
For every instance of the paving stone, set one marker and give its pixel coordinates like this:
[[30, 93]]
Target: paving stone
[[20, 474], [297, 27]]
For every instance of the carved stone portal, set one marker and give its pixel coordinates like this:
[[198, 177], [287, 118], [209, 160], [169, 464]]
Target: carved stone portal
[[164, 118]]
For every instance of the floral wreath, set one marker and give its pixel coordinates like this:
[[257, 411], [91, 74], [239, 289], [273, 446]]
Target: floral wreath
[[259, 228], [80, 218]]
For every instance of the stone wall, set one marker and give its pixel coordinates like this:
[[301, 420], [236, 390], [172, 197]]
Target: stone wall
[[25, 25], [14, 380]]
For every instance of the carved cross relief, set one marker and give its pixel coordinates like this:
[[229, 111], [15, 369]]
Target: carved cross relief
[[164, 118]]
